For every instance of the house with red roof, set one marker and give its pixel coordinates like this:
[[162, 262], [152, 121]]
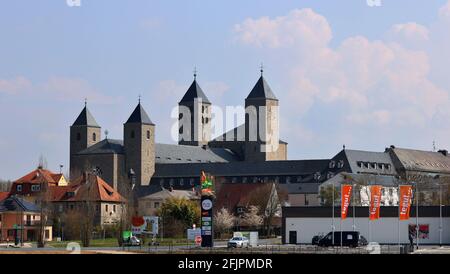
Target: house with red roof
[[3, 195], [88, 192], [36, 182]]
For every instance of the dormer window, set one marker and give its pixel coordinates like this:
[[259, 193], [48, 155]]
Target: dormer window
[[332, 164], [19, 188], [35, 188]]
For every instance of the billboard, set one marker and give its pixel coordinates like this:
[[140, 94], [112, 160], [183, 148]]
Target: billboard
[[145, 225]]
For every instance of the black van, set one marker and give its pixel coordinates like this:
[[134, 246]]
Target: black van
[[350, 238]]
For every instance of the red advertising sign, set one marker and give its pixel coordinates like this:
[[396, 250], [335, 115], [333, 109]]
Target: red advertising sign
[[346, 194], [375, 202], [405, 202]]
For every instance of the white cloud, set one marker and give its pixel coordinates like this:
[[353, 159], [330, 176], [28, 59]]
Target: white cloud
[[59, 88], [384, 83], [408, 34], [298, 27], [16, 85]]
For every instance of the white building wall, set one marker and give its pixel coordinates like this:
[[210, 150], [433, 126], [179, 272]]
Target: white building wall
[[383, 231]]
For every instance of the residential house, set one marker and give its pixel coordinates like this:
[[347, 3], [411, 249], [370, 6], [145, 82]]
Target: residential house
[[35, 183], [149, 205], [91, 191], [20, 219]]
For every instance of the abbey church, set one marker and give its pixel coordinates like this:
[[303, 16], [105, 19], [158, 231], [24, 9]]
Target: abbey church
[[152, 163]]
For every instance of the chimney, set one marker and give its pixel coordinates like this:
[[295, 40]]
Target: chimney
[[443, 152]]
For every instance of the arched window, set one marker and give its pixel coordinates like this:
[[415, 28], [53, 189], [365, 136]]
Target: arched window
[[132, 134], [148, 134], [78, 136], [94, 137]]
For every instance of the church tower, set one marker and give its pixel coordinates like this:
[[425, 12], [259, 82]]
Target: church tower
[[262, 124], [194, 121], [84, 133], [139, 145]]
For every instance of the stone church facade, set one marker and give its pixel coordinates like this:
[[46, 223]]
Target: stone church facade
[[138, 154]]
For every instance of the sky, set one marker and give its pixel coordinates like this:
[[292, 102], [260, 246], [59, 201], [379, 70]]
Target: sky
[[345, 72]]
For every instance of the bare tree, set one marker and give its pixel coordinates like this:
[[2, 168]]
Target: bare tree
[[266, 198], [223, 221]]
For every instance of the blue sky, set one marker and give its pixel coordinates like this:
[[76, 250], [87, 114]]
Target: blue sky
[[53, 56]]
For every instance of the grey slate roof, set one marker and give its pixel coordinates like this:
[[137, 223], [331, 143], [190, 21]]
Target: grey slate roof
[[261, 91], [355, 156], [85, 119], [139, 116], [424, 161], [194, 91], [106, 146], [16, 204], [167, 153], [242, 168]]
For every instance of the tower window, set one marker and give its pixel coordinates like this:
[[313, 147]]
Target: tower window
[[148, 134], [78, 136], [132, 134], [94, 137]]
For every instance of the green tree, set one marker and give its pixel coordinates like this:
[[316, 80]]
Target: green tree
[[326, 194], [177, 212]]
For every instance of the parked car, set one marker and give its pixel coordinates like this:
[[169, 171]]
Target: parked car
[[350, 238], [316, 239], [132, 241], [238, 242]]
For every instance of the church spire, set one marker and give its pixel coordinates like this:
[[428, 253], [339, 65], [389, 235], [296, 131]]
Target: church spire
[[85, 118], [139, 115]]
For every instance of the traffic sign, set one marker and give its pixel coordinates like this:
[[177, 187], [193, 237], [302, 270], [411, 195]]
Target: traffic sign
[[198, 240]]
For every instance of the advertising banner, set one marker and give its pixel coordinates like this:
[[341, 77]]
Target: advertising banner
[[375, 202], [145, 225], [346, 191], [405, 202]]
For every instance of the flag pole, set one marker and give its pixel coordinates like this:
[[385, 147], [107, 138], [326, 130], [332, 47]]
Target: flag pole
[[332, 223], [342, 197], [398, 220], [353, 202], [417, 215]]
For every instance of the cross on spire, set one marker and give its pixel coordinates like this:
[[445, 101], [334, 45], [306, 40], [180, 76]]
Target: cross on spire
[[261, 69], [85, 102], [139, 98], [195, 73]]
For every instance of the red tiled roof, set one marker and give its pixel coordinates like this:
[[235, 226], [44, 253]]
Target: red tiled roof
[[39, 175], [3, 195], [84, 188]]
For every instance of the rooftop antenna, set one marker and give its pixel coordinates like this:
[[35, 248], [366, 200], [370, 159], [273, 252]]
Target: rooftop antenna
[[106, 134]]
